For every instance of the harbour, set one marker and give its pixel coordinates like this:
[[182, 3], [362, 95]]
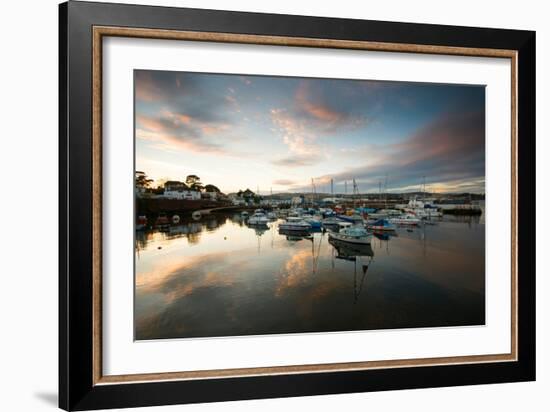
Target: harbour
[[220, 275]]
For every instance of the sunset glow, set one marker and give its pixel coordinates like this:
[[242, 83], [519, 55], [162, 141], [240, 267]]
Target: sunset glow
[[279, 133]]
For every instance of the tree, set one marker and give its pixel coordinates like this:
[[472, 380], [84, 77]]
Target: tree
[[211, 188], [142, 181], [194, 182], [192, 179]]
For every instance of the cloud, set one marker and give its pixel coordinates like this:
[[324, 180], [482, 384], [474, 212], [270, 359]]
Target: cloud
[[310, 118], [451, 150], [298, 160], [301, 142], [284, 182], [170, 143], [175, 130], [145, 87], [317, 110], [245, 80], [325, 107]]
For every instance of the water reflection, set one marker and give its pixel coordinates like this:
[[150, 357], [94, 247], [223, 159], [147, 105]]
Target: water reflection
[[219, 277]]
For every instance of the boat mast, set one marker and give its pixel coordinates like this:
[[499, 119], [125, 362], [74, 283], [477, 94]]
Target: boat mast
[[386, 193], [424, 190], [312, 191], [355, 191]]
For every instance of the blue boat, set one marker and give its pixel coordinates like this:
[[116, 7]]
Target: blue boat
[[381, 225], [315, 223]]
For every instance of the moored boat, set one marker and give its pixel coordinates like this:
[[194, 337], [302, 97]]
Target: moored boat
[[331, 222], [381, 225], [314, 221], [141, 223], [258, 219], [354, 234], [162, 223], [350, 251], [353, 219], [294, 223], [407, 219]]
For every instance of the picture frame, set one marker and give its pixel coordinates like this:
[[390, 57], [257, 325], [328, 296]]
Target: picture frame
[[83, 27]]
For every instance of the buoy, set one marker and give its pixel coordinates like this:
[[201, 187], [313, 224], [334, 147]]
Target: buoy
[[175, 219], [196, 215]]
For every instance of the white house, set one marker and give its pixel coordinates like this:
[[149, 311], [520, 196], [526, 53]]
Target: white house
[[210, 195], [179, 190]]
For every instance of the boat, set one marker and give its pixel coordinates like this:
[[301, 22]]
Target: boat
[[141, 223], [258, 219], [314, 221], [294, 223], [331, 222], [296, 212], [343, 225], [162, 223], [355, 235], [422, 209], [272, 216], [353, 219], [377, 215], [407, 219], [350, 251], [381, 225], [295, 235], [388, 212]]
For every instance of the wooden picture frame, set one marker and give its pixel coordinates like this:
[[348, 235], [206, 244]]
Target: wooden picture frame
[[82, 385]]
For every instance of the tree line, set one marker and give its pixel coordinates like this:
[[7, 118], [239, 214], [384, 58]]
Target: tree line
[[192, 182]]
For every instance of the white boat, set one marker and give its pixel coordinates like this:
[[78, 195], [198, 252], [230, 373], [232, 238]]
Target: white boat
[[354, 234], [386, 212], [343, 225], [272, 216], [424, 210], [405, 220], [331, 222], [296, 212], [294, 223], [258, 219]]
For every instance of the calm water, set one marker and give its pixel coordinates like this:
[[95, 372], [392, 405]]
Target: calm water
[[218, 277]]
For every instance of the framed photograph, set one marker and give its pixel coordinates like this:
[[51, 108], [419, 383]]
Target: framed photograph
[[257, 205]]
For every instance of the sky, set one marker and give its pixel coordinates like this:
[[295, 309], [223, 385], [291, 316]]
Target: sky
[[278, 134]]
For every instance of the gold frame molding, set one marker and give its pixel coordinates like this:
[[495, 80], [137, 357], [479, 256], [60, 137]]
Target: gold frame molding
[[103, 31]]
